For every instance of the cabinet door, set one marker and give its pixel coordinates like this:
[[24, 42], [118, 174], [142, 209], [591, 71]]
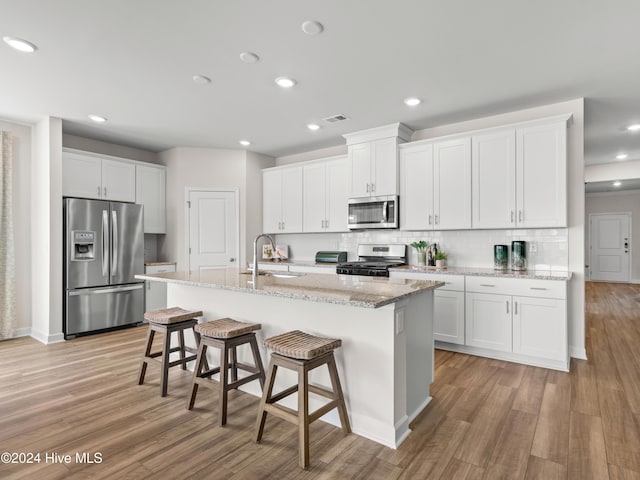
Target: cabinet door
[[292, 200], [488, 321], [416, 188], [452, 184], [360, 159], [384, 176], [271, 201], [156, 292], [314, 188], [540, 327], [448, 316], [151, 192], [118, 181], [337, 181], [81, 176], [493, 162], [541, 172]]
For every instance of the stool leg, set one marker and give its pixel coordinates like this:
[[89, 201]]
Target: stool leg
[[303, 417], [164, 380], [183, 366], [266, 398], [196, 335], [337, 391], [257, 361], [234, 364], [147, 352], [224, 379], [197, 372]]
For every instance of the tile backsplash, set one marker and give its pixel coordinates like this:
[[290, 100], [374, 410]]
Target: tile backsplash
[[547, 249]]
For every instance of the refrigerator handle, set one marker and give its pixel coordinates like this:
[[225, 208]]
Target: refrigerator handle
[[114, 242], [105, 243]]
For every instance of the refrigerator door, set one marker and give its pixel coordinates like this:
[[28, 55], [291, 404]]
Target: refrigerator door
[[86, 242], [127, 242], [92, 309]]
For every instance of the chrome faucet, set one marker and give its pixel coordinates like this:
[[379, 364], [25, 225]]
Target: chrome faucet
[[255, 272]]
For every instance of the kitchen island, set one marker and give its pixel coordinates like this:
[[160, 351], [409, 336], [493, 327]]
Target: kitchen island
[[386, 326]]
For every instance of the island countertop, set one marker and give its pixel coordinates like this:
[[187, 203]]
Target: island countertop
[[353, 290]]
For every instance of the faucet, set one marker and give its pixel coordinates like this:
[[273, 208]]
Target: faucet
[[255, 272]]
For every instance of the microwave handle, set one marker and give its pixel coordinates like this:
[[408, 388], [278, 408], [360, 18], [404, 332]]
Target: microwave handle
[[385, 211]]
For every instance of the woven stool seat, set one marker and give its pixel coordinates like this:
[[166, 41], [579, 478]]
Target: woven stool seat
[[301, 345], [226, 328], [167, 316]]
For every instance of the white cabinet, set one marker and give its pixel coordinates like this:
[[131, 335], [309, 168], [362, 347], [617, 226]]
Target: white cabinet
[[282, 200], [488, 321], [374, 168], [325, 195], [151, 192], [156, 292], [540, 327], [92, 176], [541, 172], [436, 185]]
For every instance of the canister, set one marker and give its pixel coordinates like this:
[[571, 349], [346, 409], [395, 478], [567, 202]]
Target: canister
[[500, 257], [518, 255]]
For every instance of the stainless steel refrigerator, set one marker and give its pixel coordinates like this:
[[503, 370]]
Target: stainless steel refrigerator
[[103, 250]]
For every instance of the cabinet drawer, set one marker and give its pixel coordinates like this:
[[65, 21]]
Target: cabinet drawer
[[451, 282], [160, 268], [330, 270], [515, 286]]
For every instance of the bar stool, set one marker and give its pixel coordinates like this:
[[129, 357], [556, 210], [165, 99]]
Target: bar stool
[[301, 352], [167, 321], [226, 335]]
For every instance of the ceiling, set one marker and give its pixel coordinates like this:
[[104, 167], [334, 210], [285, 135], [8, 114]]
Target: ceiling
[[133, 62], [621, 186]]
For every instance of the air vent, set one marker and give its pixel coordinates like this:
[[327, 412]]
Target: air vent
[[336, 118]]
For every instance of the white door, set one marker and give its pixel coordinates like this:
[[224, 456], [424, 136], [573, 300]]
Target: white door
[[448, 316], [314, 214], [118, 181], [213, 229], [610, 243], [360, 159], [488, 321], [81, 176], [416, 188], [540, 328], [292, 200], [337, 182]]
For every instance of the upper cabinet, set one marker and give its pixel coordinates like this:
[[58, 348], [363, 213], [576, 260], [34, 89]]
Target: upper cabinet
[[325, 195], [282, 200], [151, 192], [520, 177], [436, 185], [373, 157], [91, 176]]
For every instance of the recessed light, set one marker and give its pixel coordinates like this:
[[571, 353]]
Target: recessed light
[[201, 79], [621, 156], [313, 126], [97, 118], [412, 101], [285, 82], [19, 44], [244, 143], [249, 57], [634, 128], [311, 27], [617, 184]]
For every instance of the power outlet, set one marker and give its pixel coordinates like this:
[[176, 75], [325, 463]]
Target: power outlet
[[533, 247]]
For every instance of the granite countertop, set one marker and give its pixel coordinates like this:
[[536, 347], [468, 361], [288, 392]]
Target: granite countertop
[[353, 290], [300, 263], [154, 263], [487, 272]]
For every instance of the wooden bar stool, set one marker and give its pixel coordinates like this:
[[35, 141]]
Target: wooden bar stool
[[226, 335], [167, 321], [301, 352]]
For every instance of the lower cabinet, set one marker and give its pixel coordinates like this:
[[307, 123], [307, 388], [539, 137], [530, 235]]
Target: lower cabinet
[[488, 321], [540, 327], [448, 316], [156, 292]]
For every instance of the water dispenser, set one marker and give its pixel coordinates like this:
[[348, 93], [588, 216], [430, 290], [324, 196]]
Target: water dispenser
[[83, 246]]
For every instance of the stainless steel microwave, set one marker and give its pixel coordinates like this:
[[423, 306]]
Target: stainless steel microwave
[[373, 212]]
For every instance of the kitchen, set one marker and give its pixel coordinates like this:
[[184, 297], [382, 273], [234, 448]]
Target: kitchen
[[224, 167]]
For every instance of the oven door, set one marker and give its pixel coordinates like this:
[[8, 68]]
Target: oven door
[[373, 212]]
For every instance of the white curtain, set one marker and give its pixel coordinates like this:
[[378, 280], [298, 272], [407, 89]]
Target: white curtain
[[7, 259]]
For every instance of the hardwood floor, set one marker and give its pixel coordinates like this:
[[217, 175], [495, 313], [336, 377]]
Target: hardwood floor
[[488, 420]]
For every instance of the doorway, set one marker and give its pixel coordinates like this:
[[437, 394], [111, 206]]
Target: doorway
[[609, 247], [212, 228]]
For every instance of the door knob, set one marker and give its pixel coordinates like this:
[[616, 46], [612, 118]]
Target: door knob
[[232, 259]]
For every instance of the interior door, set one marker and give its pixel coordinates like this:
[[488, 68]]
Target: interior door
[[213, 229], [610, 244]]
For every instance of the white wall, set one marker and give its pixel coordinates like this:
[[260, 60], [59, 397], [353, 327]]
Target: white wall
[[574, 237], [612, 171], [197, 167], [618, 202], [21, 136], [46, 230], [105, 148], [255, 162]]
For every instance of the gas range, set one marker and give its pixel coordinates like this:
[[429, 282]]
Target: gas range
[[375, 260]]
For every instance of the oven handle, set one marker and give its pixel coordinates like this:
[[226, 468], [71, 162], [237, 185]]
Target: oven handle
[[385, 211]]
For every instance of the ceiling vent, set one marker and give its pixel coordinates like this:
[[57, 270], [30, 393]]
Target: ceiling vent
[[336, 118]]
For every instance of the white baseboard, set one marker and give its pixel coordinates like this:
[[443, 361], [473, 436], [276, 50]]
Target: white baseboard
[[635, 280], [579, 353], [23, 332], [46, 338]]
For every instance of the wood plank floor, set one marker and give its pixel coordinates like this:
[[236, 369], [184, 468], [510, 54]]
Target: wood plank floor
[[488, 420]]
